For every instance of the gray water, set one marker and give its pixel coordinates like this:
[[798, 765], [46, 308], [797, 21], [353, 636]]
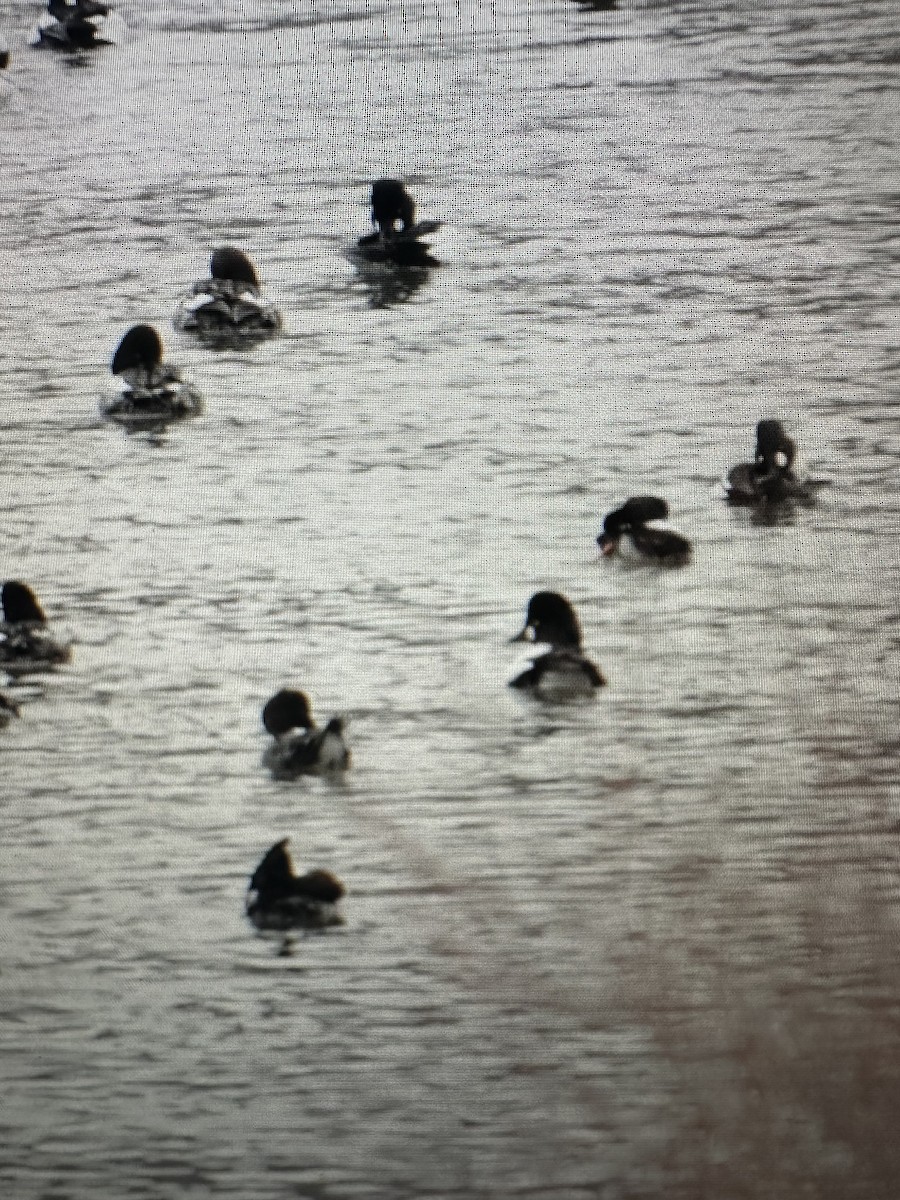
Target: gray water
[[642, 947]]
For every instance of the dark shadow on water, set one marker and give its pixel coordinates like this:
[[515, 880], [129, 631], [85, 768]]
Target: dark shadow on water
[[388, 284]]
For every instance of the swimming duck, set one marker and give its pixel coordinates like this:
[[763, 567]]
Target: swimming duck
[[563, 671], [649, 543], [154, 390], [8, 710], [770, 478], [230, 303], [25, 644], [279, 898], [4, 55], [391, 202], [298, 747], [78, 25]]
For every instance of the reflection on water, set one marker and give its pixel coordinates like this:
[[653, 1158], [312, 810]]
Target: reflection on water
[[594, 950]]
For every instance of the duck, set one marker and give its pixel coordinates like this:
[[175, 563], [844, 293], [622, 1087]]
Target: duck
[[279, 898], [562, 672], [648, 543], [152, 389], [78, 25], [391, 203], [299, 748], [25, 644], [4, 54], [229, 304], [771, 478]]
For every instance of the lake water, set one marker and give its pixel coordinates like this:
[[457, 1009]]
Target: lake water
[[642, 947]]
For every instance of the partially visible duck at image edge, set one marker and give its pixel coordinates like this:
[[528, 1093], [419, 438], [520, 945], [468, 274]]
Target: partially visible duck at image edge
[[298, 747], [563, 671], [771, 478], [230, 302], [627, 530], [78, 25], [279, 898], [25, 643]]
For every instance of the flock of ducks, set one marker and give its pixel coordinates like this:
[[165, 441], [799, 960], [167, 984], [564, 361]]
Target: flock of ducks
[[230, 308], [278, 898]]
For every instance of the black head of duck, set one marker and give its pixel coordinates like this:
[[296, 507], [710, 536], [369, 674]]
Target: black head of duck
[[279, 898], [648, 542], [21, 605]]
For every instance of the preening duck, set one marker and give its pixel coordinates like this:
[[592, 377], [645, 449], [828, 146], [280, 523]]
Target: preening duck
[[25, 644], [78, 25], [279, 898], [403, 247], [564, 671], [771, 478], [153, 390], [229, 305], [628, 525], [298, 747]]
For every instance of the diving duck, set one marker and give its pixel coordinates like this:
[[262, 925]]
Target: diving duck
[[229, 304], [771, 478], [391, 203], [25, 644], [78, 25], [279, 898], [298, 747], [627, 529], [563, 672], [152, 390]]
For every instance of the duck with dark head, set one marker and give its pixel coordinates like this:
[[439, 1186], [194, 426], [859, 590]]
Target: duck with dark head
[[229, 306], [627, 531], [772, 478], [152, 390], [564, 672], [278, 898], [26, 645], [393, 206], [297, 746]]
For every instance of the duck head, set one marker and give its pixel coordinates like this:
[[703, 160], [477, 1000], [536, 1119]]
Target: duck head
[[20, 605], [140, 349], [550, 618], [287, 710], [228, 262]]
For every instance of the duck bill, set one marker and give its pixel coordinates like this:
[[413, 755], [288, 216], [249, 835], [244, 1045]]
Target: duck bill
[[526, 635], [607, 544]]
